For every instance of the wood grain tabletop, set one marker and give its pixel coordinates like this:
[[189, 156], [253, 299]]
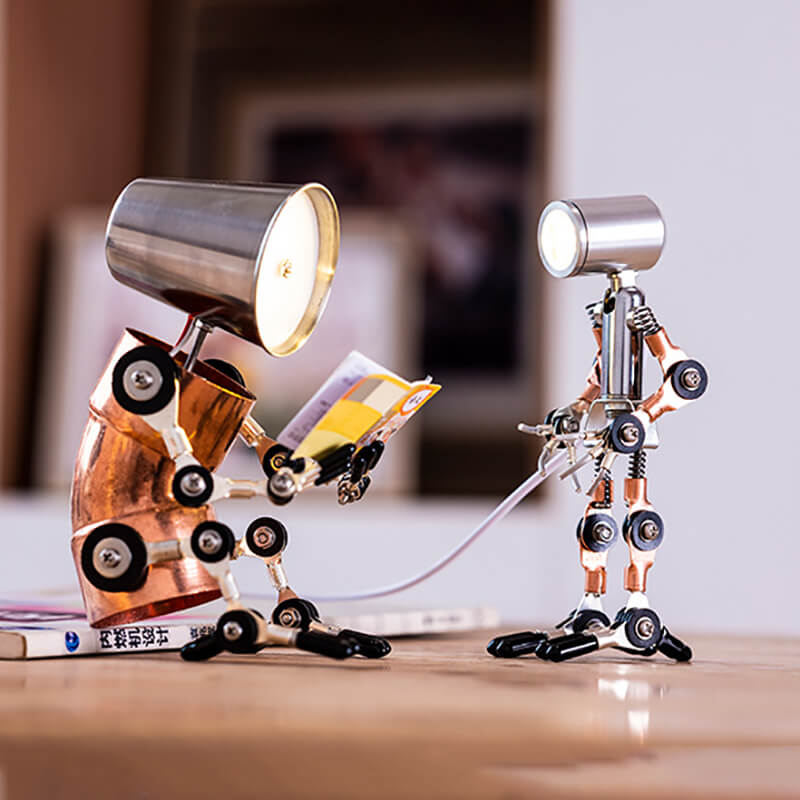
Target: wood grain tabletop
[[437, 718]]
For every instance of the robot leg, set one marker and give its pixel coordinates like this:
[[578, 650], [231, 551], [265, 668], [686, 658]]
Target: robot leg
[[266, 539], [637, 629], [596, 532]]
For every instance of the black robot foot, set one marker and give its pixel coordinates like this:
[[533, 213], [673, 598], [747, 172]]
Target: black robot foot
[[513, 645]]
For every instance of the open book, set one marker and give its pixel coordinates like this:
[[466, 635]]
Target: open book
[[361, 402]]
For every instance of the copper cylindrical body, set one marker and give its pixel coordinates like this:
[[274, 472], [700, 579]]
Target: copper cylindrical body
[[123, 474]]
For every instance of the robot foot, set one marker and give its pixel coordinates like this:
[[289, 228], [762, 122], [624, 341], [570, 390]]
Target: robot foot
[[245, 631], [303, 614], [513, 645], [638, 631], [522, 644]]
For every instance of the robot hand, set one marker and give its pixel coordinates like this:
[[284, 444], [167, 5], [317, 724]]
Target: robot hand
[[288, 476], [353, 484]]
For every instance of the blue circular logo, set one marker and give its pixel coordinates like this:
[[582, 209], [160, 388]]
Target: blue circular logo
[[71, 640]]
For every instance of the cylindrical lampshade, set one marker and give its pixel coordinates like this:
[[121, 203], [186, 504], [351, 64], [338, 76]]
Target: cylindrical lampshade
[[256, 260], [600, 234]]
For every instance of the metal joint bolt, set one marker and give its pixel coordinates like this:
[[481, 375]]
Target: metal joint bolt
[[603, 532], [264, 537], [629, 433], [691, 378], [232, 630], [193, 484], [649, 530], [645, 628], [209, 542]]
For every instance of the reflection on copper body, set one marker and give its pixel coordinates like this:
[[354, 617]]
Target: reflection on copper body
[[123, 474]]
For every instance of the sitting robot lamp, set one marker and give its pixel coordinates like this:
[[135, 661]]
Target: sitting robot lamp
[[257, 261], [617, 236]]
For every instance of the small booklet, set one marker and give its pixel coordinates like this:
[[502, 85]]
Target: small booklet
[[32, 631], [361, 402], [38, 631]]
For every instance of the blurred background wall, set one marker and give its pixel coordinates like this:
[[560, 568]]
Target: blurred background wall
[[691, 103]]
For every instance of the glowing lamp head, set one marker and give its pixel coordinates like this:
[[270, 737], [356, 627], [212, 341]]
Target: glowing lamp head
[[603, 234], [256, 260]]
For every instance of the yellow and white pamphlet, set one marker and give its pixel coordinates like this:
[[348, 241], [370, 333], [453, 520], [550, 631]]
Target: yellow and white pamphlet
[[361, 402]]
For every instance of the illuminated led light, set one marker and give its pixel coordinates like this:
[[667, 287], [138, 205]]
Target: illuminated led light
[[287, 271], [559, 243]]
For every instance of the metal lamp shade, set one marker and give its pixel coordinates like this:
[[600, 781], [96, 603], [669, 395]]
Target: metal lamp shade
[[254, 259]]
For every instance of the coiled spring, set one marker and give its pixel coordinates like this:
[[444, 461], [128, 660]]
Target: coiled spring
[[608, 492], [594, 311], [644, 321], [637, 464]]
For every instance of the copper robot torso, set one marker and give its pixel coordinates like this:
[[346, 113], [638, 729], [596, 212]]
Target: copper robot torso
[[123, 474]]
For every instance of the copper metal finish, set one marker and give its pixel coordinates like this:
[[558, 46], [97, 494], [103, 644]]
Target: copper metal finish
[[636, 495], [123, 474], [636, 571], [595, 566], [603, 495]]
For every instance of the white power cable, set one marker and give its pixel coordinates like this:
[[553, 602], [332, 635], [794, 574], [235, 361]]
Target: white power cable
[[502, 510]]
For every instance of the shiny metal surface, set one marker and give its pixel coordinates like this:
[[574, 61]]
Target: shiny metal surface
[[621, 352], [123, 473], [613, 234], [200, 246]]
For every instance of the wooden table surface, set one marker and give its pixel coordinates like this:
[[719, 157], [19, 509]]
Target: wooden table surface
[[438, 718]]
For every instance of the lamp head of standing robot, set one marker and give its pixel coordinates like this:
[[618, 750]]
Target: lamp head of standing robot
[[608, 235]]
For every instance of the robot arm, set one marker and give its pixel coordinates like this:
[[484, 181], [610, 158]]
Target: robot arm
[[685, 379]]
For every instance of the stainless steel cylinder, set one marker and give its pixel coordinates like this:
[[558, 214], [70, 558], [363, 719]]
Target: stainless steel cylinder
[[621, 351], [256, 260], [602, 234]]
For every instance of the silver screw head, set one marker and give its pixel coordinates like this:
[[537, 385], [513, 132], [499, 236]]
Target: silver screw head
[[142, 380], [603, 532], [629, 433], [264, 536], [645, 628], [232, 630], [290, 618], [648, 530], [691, 378], [282, 484], [111, 557], [193, 484], [210, 542]]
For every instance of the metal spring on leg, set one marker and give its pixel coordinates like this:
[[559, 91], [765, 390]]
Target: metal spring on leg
[[644, 320], [608, 497], [637, 464]]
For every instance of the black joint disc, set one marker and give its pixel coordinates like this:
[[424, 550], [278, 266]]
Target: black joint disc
[[645, 530], [156, 366], [183, 478], [237, 631], [274, 459], [122, 544], [266, 536], [216, 546], [689, 379]]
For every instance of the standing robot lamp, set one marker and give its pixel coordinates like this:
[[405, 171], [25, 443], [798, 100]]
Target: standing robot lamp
[[618, 237], [258, 262]]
